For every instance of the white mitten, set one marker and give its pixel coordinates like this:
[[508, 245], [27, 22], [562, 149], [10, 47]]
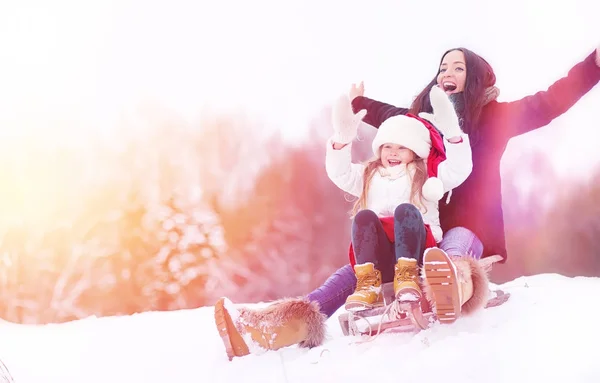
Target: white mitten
[[345, 122], [444, 116]]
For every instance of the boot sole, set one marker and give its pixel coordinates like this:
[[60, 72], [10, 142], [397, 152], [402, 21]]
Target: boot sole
[[441, 276], [361, 306], [231, 337], [357, 306]]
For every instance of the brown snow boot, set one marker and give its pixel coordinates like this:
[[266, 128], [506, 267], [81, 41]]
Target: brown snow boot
[[453, 285], [368, 293], [407, 292], [406, 280], [282, 323]]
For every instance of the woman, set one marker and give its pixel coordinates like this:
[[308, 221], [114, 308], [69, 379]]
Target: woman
[[473, 222]]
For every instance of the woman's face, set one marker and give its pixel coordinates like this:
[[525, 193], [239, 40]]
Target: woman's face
[[453, 72]]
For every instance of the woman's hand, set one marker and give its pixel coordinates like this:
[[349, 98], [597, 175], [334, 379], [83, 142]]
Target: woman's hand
[[444, 116], [356, 91]]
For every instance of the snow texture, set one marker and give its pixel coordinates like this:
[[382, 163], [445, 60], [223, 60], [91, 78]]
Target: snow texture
[[548, 331]]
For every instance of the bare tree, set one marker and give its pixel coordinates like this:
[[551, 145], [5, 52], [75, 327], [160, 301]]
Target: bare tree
[[5, 376], [553, 228], [289, 235]]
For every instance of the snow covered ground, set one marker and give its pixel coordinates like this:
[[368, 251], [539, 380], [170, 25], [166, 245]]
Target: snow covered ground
[[548, 331]]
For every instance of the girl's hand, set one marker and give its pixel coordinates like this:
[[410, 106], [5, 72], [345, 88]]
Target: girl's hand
[[345, 122]]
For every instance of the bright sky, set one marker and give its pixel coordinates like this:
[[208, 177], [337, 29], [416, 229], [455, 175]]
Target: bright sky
[[81, 63]]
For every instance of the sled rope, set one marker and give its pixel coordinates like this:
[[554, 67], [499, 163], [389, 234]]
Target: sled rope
[[394, 307], [395, 310]]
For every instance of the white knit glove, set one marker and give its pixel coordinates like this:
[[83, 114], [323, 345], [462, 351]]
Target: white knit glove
[[356, 91], [345, 122], [444, 116]]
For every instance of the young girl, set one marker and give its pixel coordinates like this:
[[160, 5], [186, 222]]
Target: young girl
[[396, 216]]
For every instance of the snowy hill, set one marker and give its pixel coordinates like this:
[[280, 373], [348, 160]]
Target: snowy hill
[[548, 331]]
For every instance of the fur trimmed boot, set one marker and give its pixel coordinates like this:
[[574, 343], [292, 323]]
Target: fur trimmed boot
[[282, 323], [453, 285]]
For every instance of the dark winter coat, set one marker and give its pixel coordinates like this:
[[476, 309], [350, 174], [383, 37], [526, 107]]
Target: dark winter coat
[[477, 203]]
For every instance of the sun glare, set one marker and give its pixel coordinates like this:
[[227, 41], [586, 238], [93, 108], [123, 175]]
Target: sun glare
[[72, 70]]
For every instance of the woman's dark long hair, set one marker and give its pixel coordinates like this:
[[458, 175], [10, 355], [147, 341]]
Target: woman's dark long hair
[[471, 100]]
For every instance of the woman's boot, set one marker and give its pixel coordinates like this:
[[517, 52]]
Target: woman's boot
[[282, 323], [453, 285]]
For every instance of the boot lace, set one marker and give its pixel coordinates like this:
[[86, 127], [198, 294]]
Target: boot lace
[[366, 281], [406, 273]]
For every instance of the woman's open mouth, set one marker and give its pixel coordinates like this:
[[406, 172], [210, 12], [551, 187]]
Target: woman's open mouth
[[449, 86]]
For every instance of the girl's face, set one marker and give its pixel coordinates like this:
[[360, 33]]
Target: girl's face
[[394, 155], [453, 72]]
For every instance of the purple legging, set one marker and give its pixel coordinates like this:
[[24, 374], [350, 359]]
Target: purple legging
[[332, 294]]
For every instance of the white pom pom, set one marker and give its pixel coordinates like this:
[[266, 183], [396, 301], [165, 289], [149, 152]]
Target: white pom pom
[[433, 189]]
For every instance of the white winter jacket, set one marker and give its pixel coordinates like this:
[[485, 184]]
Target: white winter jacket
[[385, 193]]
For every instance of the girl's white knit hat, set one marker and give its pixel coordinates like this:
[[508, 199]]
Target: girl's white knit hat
[[406, 131]]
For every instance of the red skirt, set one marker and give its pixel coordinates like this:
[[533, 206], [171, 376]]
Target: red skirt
[[388, 227]]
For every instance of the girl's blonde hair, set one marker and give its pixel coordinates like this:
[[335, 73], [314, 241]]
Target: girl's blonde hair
[[416, 171]]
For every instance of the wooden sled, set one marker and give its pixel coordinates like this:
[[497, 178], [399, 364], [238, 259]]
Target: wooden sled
[[375, 319]]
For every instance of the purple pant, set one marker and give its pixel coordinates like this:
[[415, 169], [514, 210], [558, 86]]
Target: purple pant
[[332, 294]]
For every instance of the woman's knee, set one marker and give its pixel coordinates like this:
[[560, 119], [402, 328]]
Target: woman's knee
[[459, 232], [406, 211], [462, 241]]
